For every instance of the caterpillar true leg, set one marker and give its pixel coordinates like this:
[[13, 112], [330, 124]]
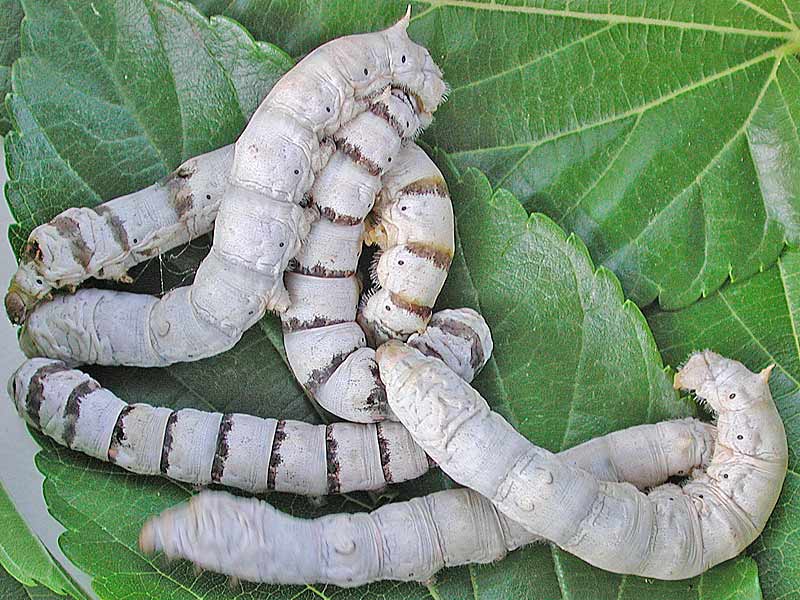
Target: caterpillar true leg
[[105, 241], [670, 533], [239, 450], [260, 222], [413, 224], [406, 540]]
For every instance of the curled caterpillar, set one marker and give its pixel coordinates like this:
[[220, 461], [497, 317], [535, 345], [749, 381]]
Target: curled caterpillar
[[260, 223], [325, 346], [237, 450], [672, 532], [107, 240], [413, 225], [408, 541]]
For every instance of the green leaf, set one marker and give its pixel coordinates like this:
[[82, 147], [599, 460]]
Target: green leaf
[[11, 589], [25, 559], [101, 109], [109, 100], [663, 132], [10, 21], [757, 322]]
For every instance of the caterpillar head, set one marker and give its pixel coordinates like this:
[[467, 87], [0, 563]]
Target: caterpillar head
[[383, 316], [27, 289], [414, 70], [726, 384]]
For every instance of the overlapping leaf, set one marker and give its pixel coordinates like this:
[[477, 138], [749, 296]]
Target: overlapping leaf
[[663, 132], [756, 321], [10, 21]]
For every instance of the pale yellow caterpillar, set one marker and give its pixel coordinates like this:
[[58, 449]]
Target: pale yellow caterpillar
[[413, 224], [407, 541], [672, 532], [260, 223], [237, 450]]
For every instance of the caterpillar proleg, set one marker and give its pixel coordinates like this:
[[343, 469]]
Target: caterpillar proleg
[[672, 532], [260, 223], [407, 541], [237, 450]]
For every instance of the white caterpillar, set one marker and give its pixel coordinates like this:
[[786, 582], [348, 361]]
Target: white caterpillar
[[413, 224], [107, 240], [407, 541], [672, 532], [237, 450], [260, 223]]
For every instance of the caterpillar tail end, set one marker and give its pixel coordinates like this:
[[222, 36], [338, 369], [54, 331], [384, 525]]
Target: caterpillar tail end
[[16, 307]]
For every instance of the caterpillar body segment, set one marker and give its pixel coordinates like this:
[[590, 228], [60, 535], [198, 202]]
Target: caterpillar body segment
[[261, 220], [672, 532], [407, 541], [237, 450], [325, 346], [413, 225], [105, 241]]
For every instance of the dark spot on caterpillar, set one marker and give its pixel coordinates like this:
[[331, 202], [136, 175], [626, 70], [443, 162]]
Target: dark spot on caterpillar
[[339, 219], [332, 461], [403, 59], [295, 324], [366, 72], [357, 156], [118, 434], [671, 499], [281, 244], [250, 312], [39, 281], [222, 449], [72, 408], [724, 475], [441, 257], [35, 395], [740, 437], [166, 445], [275, 456], [732, 396], [385, 455], [403, 207], [700, 495], [389, 159], [388, 308], [135, 241], [416, 309], [328, 108], [297, 171], [208, 196], [68, 228], [401, 262], [680, 472]]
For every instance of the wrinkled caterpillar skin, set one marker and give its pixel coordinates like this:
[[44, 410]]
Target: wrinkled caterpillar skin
[[413, 225], [325, 346], [107, 240], [236, 450], [408, 541], [672, 532], [260, 223]]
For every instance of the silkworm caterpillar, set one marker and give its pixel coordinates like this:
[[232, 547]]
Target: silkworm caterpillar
[[325, 346], [413, 225], [407, 541], [107, 240], [672, 532], [241, 451], [260, 223]]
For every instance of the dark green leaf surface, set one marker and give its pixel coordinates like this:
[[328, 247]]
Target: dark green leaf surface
[[756, 321], [11, 589], [10, 20], [24, 558], [663, 132], [110, 96]]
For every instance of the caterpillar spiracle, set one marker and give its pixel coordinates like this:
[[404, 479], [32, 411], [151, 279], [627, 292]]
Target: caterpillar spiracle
[[261, 220], [408, 541], [671, 532], [238, 450]]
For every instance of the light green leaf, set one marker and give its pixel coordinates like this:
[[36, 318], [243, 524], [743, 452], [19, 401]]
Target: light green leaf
[[11, 589], [663, 132], [25, 559], [757, 322], [10, 21]]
